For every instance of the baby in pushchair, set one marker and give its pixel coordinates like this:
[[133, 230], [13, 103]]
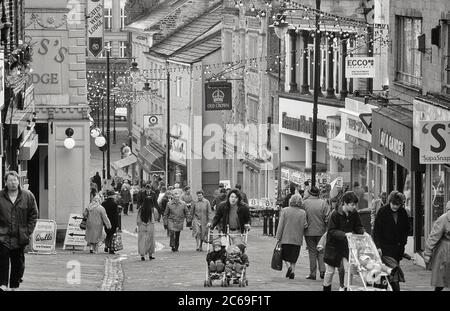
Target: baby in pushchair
[[236, 260], [216, 258]]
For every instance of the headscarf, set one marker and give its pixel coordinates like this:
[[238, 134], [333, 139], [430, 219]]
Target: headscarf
[[96, 201]]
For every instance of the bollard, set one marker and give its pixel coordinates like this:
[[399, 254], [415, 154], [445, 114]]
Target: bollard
[[276, 217], [265, 220]]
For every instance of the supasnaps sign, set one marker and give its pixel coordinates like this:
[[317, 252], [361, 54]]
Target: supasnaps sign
[[95, 26], [218, 96], [434, 142]]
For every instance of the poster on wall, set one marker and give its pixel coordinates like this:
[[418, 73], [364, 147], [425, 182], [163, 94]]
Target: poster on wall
[[434, 142], [95, 26]]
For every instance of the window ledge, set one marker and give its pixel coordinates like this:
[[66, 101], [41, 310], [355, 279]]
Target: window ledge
[[408, 86]]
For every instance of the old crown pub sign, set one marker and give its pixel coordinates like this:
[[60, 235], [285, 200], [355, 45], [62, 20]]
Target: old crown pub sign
[[218, 96], [95, 26]]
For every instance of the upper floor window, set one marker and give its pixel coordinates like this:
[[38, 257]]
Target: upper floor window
[[252, 109], [123, 48], [108, 18], [409, 59], [179, 86], [228, 47], [447, 59], [123, 16], [252, 46]]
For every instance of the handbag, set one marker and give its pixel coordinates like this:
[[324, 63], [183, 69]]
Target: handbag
[[83, 223], [277, 263], [117, 242]]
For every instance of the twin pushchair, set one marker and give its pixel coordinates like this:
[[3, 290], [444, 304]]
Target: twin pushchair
[[231, 246]]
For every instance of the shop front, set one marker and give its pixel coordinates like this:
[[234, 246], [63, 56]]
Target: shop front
[[392, 131], [431, 136]]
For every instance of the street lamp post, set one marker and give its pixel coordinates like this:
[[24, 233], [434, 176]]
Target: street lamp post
[[108, 150], [103, 130], [316, 96], [168, 129]]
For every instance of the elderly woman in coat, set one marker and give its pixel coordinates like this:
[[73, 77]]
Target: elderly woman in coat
[[437, 251], [174, 215], [291, 227], [200, 215], [96, 217]]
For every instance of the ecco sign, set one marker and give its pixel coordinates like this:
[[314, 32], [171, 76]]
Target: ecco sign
[[434, 142], [360, 67]]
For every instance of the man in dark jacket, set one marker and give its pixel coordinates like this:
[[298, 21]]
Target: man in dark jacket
[[390, 233], [18, 217], [112, 211], [243, 194], [340, 224], [220, 198], [289, 195], [232, 213], [98, 180]]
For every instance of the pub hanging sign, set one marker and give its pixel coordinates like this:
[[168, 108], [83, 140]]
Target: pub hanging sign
[[218, 96]]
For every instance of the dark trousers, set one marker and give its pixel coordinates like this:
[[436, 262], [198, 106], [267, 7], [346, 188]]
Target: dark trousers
[[314, 255], [109, 237], [17, 258], [174, 239]]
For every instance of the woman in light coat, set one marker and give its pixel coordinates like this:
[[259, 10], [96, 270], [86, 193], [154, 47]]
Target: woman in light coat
[[146, 217], [437, 251], [291, 227], [96, 217]]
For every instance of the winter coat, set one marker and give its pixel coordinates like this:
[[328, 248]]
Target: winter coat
[[20, 217], [112, 211], [286, 200], [291, 226], [175, 214], [222, 215], [219, 199], [96, 218], [244, 197], [317, 211], [336, 246], [214, 256], [389, 236], [98, 180], [125, 195], [437, 247]]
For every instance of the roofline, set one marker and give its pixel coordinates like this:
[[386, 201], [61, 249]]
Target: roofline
[[197, 59]]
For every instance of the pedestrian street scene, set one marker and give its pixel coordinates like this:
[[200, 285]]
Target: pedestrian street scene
[[223, 146]]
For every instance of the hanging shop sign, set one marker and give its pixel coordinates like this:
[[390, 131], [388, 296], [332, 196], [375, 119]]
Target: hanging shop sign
[[434, 142], [153, 121], [95, 26], [226, 183], [359, 67], [394, 139], [218, 96], [43, 239]]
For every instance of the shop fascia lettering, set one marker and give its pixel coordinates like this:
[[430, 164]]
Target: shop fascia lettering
[[391, 143], [303, 125]]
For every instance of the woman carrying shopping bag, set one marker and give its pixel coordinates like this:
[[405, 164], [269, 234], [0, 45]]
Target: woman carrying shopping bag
[[291, 228], [437, 251], [146, 217], [96, 217]]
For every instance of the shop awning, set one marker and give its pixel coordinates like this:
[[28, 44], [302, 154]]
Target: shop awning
[[124, 162], [342, 149], [152, 158]]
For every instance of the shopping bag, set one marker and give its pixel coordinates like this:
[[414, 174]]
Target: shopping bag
[[117, 242], [277, 262], [83, 223]]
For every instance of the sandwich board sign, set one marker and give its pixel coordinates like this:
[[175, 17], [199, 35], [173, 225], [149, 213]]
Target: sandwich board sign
[[43, 239], [74, 234]]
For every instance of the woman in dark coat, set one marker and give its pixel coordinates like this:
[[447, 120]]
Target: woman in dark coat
[[112, 211], [340, 224], [390, 234]]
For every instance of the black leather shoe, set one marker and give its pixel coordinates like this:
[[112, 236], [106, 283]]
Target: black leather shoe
[[106, 249], [151, 257], [327, 288], [322, 275], [142, 258], [309, 277], [292, 275], [112, 252], [289, 271]]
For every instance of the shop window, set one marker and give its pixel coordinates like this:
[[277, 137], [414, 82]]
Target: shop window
[[409, 59], [438, 191]]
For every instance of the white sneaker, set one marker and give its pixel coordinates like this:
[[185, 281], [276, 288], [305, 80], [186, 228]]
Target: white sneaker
[[4, 288], [342, 289]]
